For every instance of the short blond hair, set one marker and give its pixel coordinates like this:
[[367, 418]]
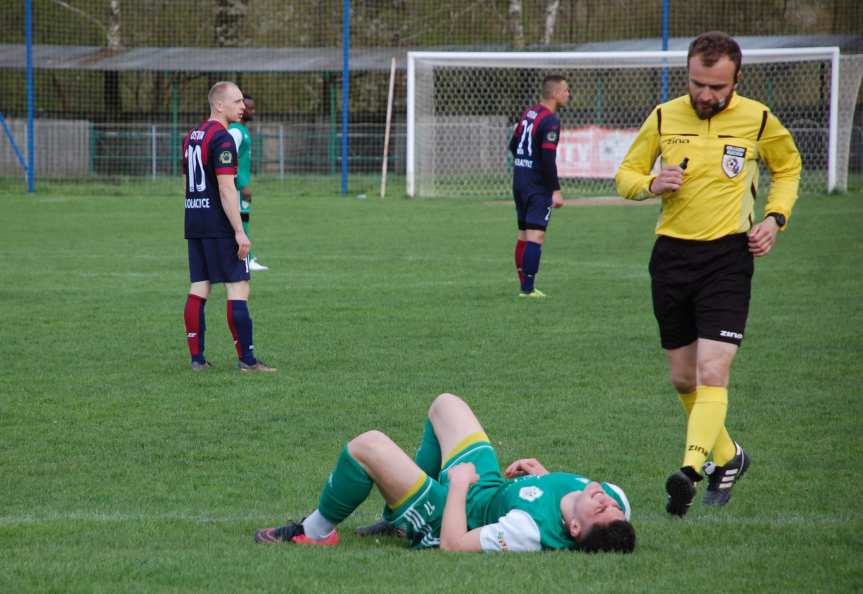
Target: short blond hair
[[218, 90]]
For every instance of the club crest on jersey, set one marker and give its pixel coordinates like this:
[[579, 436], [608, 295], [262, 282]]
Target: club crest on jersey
[[732, 160], [225, 158], [551, 136], [530, 493]]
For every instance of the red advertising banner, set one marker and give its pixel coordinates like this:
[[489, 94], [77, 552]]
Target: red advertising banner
[[592, 151]]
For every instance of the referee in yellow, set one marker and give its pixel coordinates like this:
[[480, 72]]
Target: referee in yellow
[[710, 142]]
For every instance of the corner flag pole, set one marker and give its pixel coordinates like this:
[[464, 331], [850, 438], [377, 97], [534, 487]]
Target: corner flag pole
[[385, 160]]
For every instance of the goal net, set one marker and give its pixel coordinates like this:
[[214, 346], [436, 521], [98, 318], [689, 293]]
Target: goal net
[[462, 108]]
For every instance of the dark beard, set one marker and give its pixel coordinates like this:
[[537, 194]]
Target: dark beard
[[714, 109]]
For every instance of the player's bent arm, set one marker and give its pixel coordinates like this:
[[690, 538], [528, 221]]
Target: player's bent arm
[[633, 177], [779, 152], [525, 466], [230, 201], [454, 535]]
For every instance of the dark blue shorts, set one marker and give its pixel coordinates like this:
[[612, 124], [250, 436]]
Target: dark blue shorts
[[532, 211], [215, 259]]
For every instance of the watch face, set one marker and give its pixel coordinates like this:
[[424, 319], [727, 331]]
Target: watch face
[[780, 219]]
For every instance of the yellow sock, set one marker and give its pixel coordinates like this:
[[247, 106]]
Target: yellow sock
[[706, 420], [724, 449], [687, 400]]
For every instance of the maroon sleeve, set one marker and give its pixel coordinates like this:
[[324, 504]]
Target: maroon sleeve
[[223, 153]]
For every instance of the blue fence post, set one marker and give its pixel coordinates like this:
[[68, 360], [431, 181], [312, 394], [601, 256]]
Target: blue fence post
[[346, 48], [31, 151]]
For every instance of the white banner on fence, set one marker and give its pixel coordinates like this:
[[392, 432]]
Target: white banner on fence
[[592, 151]]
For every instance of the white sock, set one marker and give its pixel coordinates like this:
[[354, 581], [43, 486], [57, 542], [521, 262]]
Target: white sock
[[317, 527]]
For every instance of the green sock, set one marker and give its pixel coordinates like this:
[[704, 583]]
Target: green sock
[[346, 488], [428, 454]]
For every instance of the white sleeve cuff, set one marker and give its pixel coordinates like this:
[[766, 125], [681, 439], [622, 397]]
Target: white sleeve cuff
[[237, 136]]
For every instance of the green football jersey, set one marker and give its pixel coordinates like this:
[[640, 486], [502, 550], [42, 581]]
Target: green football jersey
[[243, 140], [538, 497]]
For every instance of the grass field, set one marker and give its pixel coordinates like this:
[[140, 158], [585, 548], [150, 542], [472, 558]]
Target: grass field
[[123, 471]]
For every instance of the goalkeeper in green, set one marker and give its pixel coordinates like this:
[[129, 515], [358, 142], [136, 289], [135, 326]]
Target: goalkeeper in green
[[453, 495], [243, 140]]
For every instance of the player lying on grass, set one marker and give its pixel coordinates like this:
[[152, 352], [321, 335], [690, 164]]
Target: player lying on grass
[[462, 501]]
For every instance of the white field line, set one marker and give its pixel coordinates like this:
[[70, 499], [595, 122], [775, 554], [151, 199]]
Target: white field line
[[108, 517], [204, 518]]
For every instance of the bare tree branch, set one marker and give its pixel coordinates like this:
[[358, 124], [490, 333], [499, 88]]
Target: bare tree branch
[[80, 12], [515, 24], [551, 11], [229, 16], [115, 41]]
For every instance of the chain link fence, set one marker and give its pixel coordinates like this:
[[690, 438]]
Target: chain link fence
[[119, 80]]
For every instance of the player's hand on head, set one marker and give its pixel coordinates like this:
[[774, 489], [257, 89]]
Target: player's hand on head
[[463, 474]]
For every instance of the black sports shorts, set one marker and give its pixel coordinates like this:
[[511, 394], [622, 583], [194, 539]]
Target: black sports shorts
[[701, 289]]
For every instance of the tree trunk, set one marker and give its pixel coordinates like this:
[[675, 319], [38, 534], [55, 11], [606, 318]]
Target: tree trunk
[[115, 40], [112, 96], [516, 25], [551, 10], [229, 17]]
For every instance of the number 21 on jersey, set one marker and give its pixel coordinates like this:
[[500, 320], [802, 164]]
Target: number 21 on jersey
[[527, 127]]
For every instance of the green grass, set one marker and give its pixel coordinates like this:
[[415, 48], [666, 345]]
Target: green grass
[[123, 471]]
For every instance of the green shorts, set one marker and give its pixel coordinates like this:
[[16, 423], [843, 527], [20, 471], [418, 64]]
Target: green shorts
[[421, 515]]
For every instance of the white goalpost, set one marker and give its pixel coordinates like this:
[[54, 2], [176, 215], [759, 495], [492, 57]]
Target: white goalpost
[[461, 107]]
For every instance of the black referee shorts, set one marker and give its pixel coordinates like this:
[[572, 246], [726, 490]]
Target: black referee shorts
[[701, 289]]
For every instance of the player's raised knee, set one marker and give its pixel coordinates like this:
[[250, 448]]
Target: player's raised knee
[[445, 399], [368, 442]]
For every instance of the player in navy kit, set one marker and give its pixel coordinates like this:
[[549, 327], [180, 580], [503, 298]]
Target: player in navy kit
[[535, 185], [218, 246]]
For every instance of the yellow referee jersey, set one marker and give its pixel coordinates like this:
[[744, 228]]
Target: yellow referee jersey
[[721, 179]]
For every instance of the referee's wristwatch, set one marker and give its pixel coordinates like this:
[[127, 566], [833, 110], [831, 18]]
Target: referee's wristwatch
[[778, 217]]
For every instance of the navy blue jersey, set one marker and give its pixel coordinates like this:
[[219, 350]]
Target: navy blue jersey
[[208, 151], [534, 146]]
